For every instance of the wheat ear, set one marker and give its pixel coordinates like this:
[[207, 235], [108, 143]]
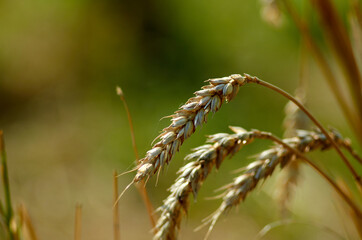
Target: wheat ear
[[193, 174], [184, 122], [194, 112], [207, 156], [267, 162]]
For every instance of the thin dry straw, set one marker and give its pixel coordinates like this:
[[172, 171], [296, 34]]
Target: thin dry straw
[[116, 223], [207, 156], [353, 152], [141, 187], [266, 163], [185, 121], [256, 80], [78, 222]]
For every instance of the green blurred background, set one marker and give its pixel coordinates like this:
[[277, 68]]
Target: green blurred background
[[66, 129]]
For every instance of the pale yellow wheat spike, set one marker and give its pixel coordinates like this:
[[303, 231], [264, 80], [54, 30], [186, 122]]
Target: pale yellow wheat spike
[[185, 121]]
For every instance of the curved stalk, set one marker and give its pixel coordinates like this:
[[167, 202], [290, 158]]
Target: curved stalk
[[140, 187], [256, 80], [320, 171]]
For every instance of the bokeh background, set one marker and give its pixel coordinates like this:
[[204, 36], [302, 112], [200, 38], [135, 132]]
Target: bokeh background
[[66, 129]]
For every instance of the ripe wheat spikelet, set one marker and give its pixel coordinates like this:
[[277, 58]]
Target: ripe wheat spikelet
[[265, 164], [185, 121], [193, 174]]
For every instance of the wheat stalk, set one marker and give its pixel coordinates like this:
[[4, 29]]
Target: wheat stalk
[[193, 174], [266, 163], [334, 144], [184, 122], [140, 187]]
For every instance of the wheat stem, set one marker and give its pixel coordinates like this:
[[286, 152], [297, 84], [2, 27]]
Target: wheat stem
[[140, 187], [6, 185], [116, 223], [314, 120], [353, 153], [129, 118], [320, 171]]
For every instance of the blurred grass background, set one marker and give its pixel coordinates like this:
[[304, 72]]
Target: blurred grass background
[[66, 129]]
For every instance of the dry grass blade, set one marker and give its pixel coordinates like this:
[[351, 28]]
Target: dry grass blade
[[266, 163], [78, 222], [141, 189], [185, 121], [116, 224], [26, 220]]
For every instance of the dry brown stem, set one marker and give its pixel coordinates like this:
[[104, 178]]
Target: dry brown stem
[[140, 187], [116, 223], [256, 80]]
